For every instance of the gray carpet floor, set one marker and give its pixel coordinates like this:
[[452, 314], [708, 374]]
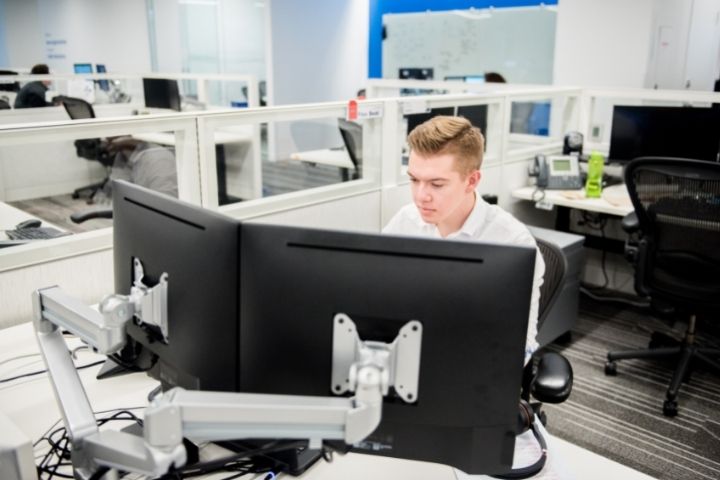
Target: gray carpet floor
[[620, 417]]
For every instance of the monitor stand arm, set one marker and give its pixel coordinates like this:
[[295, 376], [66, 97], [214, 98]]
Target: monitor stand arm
[[206, 416]]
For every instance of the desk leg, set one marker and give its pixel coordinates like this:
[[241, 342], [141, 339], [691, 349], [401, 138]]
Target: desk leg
[[562, 219], [221, 174], [612, 245]]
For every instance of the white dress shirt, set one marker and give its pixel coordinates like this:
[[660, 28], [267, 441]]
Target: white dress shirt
[[486, 223]]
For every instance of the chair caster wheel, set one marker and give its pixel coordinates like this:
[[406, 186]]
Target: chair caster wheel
[[670, 408], [610, 368]]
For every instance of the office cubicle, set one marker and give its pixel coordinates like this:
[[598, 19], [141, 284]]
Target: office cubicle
[[315, 149], [365, 202], [598, 104], [198, 91]]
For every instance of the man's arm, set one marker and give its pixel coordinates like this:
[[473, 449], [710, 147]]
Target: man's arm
[[531, 342]]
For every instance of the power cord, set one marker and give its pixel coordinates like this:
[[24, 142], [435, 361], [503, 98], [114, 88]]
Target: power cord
[[40, 372], [597, 222], [58, 455], [592, 292]]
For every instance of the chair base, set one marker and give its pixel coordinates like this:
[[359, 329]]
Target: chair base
[[686, 352], [89, 191]]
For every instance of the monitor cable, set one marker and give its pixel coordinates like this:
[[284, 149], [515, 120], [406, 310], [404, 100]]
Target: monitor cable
[[527, 421]]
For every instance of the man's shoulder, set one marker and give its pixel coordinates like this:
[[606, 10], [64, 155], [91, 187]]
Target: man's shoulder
[[406, 218], [505, 223]]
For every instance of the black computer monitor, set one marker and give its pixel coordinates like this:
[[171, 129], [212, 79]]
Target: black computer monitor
[[472, 300], [161, 93], [416, 73], [415, 119], [82, 68], [477, 114], [199, 250], [685, 132], [466, 78], [103, 84], [255, 313]]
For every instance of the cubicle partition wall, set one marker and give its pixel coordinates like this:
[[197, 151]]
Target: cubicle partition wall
[[324, 186], [195, 138], [199, 91]]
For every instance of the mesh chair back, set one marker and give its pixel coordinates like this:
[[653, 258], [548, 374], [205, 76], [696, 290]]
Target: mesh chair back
[[77, 108], [677, 202], [555, 269], [352, 138]]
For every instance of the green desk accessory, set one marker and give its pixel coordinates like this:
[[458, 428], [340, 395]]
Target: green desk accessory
[[593, 185]]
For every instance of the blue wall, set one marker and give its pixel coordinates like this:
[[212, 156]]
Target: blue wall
[[3, 43], [380, 7]]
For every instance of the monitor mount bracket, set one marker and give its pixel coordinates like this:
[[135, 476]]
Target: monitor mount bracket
[[200, 415], [400, 360]]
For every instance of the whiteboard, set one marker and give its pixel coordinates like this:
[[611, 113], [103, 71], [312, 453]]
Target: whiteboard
[[518, 43]]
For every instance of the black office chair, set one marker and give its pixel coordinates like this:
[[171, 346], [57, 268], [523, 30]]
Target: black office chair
[[351, 133], [548, 377], [89, 148], [677, 257], [8, 86]]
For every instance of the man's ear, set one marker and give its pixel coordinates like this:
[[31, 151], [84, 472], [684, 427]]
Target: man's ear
[[473, 179]]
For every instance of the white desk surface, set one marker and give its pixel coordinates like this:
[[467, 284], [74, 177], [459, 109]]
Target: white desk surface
[[326, 156], [11, 216], [30, 404], [614, 201]]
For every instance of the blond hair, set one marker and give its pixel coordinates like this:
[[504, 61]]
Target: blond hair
[[450, 135]]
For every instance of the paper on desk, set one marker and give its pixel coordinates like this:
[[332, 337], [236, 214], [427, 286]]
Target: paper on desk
[[573, 194], [617, 196]]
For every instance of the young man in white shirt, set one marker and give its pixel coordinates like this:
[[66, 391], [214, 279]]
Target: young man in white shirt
[[444, 169]]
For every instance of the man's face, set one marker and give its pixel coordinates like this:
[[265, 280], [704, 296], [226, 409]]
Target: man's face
[[438, 188]]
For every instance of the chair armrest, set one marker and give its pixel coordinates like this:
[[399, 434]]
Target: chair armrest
[[79, 217], [630, 223], [554, 379]]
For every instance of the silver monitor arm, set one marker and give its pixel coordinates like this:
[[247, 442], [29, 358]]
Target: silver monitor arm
[[366, 368]]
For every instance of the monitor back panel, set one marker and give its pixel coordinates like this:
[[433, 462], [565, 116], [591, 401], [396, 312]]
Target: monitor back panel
[[473, 302], [198, 249]]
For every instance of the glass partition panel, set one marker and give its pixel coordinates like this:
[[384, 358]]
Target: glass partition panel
[[297, 150], [61, 176], [539, 122]]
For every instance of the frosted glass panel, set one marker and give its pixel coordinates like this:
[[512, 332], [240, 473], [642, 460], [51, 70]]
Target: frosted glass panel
[[518, 43]]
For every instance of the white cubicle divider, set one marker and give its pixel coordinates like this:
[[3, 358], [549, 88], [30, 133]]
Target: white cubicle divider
[[365, 204], [204, 88]]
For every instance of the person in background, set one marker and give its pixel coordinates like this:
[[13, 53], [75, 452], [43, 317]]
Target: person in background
[[33, 94], [444, 169], [494, 77]]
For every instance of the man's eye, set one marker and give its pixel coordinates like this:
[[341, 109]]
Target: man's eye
[[437, 185], [413, 180]]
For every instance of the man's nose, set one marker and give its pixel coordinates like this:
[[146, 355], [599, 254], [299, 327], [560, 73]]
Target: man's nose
[[423, 193]]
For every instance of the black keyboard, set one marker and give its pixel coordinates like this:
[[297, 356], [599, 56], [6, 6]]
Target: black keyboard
[[38, 233]]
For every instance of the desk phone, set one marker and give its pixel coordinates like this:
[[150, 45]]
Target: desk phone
[[557, 172]]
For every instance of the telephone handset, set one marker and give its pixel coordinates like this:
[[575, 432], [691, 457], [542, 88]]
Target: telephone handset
[[557, 172]]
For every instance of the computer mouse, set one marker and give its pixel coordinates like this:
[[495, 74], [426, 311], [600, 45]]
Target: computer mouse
[[31, 223]]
